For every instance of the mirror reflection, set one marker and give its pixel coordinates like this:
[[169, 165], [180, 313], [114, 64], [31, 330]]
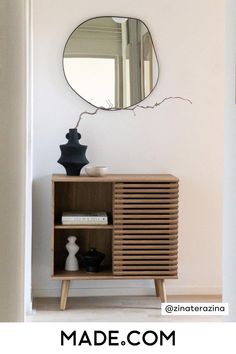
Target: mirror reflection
[[111, 62]]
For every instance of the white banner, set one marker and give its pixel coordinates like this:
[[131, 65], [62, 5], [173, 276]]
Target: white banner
[[57, 338]]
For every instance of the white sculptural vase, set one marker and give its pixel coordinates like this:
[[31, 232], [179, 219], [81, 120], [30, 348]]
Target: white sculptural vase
[[72, 248]]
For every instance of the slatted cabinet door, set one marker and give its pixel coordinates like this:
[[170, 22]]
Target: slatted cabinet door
[[145, 235]]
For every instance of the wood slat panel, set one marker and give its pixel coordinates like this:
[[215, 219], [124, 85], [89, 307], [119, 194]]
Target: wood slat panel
[[146, 185], [144, 221], [145, 201], [144, 247], [134, 258], [146, 190], [147, 237], [169, 212], [145, 232], [154, 262], [146, 227], [150, 268], [166, 274], [145, 252], [145, 217], [130, 216], [146, 206], [145, 242], [146, 196]]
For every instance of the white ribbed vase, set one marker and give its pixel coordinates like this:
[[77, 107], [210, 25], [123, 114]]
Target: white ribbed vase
[[72, 248]]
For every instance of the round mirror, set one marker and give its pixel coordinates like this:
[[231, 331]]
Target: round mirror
[[111, 62]]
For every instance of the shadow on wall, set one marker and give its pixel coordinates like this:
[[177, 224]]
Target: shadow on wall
[[41, 226]]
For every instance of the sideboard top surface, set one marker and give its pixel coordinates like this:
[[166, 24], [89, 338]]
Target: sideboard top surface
[[116, 178]]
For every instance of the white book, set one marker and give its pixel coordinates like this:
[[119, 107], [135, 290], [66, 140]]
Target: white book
[[84, 218], [83, 222]]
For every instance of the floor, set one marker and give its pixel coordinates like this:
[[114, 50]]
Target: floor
[[115, 309]]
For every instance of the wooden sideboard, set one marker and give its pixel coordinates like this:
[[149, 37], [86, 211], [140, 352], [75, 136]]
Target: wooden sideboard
[[141, 238]]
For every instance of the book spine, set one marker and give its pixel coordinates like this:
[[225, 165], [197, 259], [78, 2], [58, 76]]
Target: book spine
[[84, 220], [74, 222]]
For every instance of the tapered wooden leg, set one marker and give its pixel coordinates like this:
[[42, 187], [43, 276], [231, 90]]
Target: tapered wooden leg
[[160, 289], [64, 293], [156, 287]]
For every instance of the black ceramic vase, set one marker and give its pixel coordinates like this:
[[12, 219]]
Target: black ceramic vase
[[73, 154], [92, 260]]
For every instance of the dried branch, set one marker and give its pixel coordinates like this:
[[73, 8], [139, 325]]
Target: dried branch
[[131, 108]]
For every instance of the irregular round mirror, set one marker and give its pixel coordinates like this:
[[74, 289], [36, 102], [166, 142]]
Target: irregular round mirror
[[111, 62]]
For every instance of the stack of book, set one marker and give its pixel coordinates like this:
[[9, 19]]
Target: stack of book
[[84, 218]]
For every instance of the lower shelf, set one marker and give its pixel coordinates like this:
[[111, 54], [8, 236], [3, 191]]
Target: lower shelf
[[81, 274], [105, 274]]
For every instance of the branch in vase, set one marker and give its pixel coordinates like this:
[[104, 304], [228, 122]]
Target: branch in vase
[[132, 108]]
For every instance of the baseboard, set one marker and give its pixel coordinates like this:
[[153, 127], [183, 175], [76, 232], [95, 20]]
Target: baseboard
[[129, 291]]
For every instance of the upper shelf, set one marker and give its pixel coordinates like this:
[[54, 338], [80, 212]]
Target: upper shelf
[[76, 226], [116, 178]]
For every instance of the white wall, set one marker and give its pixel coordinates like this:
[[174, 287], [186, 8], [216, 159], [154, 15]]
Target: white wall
[[229, 259], [178, 138], [12, 158]]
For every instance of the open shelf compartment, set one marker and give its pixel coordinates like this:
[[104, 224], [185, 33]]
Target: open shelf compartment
[[86, 239], [82, 197]]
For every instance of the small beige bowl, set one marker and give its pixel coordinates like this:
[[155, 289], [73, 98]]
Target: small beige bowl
[[96, 171]]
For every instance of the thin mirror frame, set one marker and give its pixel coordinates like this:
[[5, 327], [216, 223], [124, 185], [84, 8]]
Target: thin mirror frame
[[112, 108]]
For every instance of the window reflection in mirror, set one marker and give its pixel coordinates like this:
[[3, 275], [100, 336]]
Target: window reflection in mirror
[[111, 62], [85, 70]]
